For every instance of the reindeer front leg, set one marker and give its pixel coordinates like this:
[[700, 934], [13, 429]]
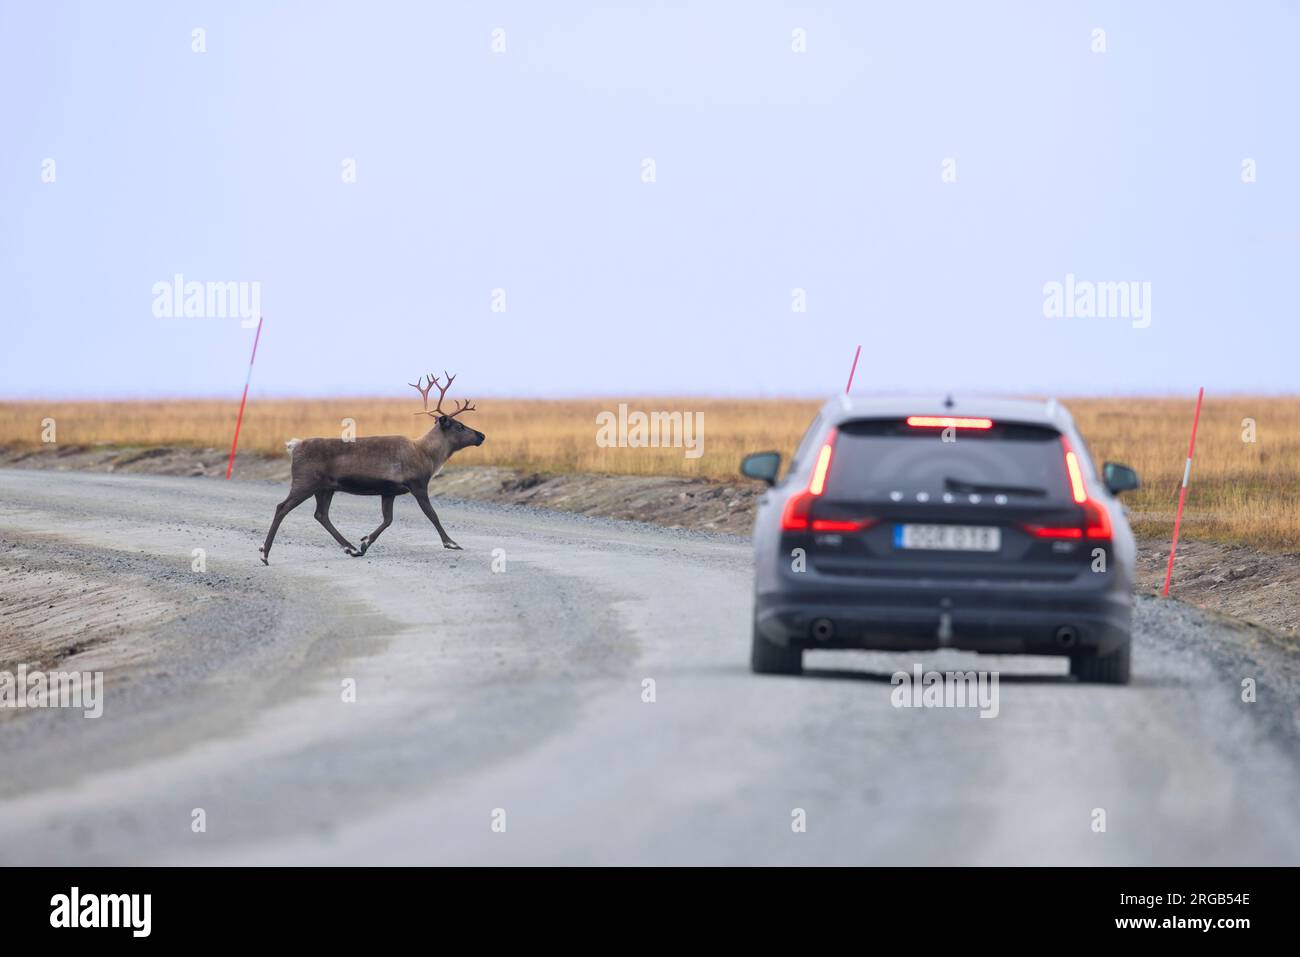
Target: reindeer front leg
[[421, 495], [296, 497]]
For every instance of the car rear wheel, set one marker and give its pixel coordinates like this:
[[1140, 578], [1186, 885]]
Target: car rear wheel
[[1110, 669], [768, 659]]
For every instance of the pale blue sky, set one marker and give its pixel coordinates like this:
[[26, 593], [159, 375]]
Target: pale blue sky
[[522, 170]]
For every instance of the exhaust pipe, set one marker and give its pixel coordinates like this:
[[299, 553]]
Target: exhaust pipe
[[1067, 636], [823, 629]]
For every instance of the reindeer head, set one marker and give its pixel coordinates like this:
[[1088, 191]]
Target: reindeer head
[[456, 433]]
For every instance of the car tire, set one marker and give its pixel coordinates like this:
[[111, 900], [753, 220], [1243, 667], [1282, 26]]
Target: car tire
[[1109, 669], [766, 658]]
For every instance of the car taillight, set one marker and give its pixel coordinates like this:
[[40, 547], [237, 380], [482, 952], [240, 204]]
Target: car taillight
[[1096, 519], [947, 422], [1077, 488], [817, 484], [842, 525], [1044, 531], [795, 518]]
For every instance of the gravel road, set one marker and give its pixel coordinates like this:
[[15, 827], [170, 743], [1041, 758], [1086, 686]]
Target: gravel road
[[500, 714]]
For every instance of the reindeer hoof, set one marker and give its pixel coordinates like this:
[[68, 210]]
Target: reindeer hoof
[[354, 552], [261, 553], [450, 544]]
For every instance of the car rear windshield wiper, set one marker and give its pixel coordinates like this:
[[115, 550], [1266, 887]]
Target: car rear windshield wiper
[[961, 485]]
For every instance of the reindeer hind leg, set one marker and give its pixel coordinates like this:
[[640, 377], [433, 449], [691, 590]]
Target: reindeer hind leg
[[386, 506], [323, 500]]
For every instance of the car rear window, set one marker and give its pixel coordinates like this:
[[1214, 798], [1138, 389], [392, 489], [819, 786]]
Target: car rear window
[[875, 457]]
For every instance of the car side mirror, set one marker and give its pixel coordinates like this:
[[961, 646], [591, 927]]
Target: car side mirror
[[762, 466], [1119, 478]]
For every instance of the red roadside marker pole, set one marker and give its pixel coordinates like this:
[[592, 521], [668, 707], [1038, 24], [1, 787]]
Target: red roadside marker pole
[[853, 370], [1182, 495], [247, 379]]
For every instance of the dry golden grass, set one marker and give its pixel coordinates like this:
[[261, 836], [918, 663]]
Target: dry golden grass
[[1241, 491]]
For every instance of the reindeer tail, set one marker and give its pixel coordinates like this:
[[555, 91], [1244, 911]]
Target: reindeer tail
[[291, 445]]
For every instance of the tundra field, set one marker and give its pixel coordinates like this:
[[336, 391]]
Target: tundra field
[[1245, 479]]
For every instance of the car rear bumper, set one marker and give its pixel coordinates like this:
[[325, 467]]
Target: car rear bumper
[[989, 622]]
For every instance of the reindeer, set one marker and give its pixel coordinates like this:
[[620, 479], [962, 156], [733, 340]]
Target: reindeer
[[383, 465]]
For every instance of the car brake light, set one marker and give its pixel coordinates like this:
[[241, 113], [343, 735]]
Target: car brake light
[[795, 518], [1096, 519], [947, 422]]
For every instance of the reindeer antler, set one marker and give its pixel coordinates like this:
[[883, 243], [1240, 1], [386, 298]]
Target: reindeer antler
[[466, 406], [423, 390]]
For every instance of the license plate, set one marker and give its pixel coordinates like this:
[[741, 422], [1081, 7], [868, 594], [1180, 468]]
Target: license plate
[[948, 538]]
